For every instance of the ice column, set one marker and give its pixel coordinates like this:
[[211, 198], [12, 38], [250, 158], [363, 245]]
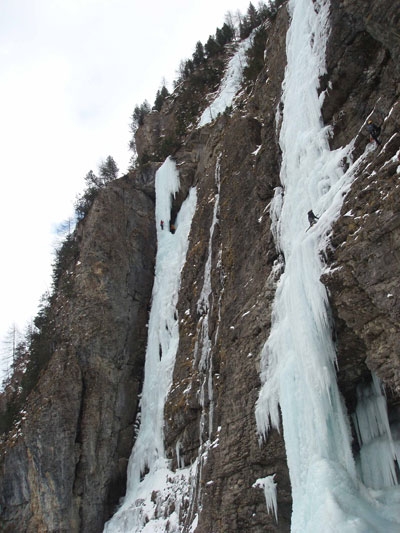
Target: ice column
[[203, 349], [298, 359], [163, 337], [378, 457]]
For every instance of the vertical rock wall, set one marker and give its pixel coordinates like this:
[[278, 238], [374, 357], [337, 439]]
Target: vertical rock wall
[[243, 148], [66, 468], [364, 84], [361, 83]]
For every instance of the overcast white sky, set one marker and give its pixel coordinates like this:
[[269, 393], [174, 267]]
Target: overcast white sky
[[71, 73]]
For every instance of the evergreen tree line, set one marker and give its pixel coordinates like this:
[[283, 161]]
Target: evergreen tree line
[[223, 36], [30, 352], [199, 62], [108, 171]]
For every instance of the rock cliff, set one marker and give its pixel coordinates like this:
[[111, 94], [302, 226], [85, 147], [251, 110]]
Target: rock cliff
[[65, 467]]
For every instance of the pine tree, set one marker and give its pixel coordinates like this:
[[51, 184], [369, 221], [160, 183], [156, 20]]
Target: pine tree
[[253, 17], [250, 21], [108, 170], [160, 98], [92, 180], [224, 35], [255, 55], [198, 54], [138, 115], [211, 47], [10, 343]]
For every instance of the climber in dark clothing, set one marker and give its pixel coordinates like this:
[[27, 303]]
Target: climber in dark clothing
[[162, 224], [312, 219], [374, 131]]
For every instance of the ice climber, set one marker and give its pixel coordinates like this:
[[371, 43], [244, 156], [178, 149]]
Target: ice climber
[[374, 131], [162, 224], [312, 219]]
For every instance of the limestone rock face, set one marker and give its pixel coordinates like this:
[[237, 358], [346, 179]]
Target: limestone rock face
[[238, 320], [66, 468], [361, 83], [363, 255], [147, 138]]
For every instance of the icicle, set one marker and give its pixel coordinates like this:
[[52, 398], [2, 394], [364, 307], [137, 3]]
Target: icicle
[[269, 486], [203, 335], [179, 460], [275, 212], [377, 451]]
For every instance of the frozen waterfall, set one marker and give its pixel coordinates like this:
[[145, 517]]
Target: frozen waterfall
[[148, 467], [298, 359], [230, 84]]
